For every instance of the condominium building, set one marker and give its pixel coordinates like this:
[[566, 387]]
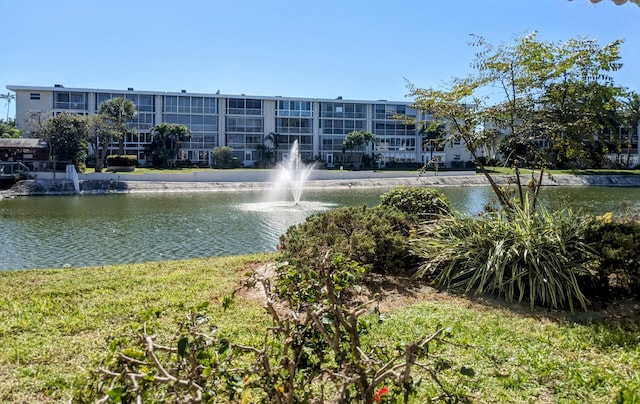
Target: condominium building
[[248, 123]]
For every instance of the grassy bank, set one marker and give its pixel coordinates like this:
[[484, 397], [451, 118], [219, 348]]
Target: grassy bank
[[56, 324]]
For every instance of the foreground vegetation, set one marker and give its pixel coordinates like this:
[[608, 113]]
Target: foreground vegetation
[[57, 325], [345, 316]]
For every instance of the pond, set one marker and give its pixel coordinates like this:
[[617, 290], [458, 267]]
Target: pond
[[52, 232]]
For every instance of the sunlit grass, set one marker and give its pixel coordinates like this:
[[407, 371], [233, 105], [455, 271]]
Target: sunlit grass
[[520, 358], [526, 171], [186, 170], [55, 326]]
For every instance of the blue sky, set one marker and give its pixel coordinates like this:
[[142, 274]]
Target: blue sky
[[358, 49]]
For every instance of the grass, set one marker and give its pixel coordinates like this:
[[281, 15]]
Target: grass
[[521, 358], [149, 170], [525, 171], [55, 325]]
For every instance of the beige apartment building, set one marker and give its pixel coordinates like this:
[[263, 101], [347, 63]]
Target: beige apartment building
[[246, 123]]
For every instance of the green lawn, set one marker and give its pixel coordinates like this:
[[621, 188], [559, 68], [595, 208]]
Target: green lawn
[[524, 171], [55, 325]]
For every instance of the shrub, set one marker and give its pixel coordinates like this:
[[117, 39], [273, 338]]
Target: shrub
[[377, 238], [422, 203], [538, 256], [126, 160], [314, 352], [616, 241]]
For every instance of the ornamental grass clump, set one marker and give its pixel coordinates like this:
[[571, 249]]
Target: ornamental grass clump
[[536, 256]]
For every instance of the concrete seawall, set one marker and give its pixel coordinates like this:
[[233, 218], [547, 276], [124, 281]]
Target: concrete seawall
[[107, 183]]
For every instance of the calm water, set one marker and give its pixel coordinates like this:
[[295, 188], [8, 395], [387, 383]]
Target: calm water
[[46, 232]]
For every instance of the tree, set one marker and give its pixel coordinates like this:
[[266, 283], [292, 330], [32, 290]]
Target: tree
[[582, 120], [8, 129], [166, 141], [432, 138], [525, 72], [101, 133], [34, 123], [67, 136], [357, 141], [557, 92], [272, 138], [117, 113], [223, 156], [631, 120], [620, 2], [8, 97]]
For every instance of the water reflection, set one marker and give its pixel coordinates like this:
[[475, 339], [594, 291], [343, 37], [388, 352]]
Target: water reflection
[[43, 232]]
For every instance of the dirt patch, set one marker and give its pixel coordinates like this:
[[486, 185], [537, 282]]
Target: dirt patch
[[394, 292]]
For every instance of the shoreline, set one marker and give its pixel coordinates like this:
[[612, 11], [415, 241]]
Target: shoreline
[[231, 181]]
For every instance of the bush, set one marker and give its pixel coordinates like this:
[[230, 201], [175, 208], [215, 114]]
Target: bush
[[317, 350], [377, 238], [421, 203], [616, 241], [126, 160], [542, 257]]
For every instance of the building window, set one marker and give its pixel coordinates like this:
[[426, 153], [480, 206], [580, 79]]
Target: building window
[[241, 106], [294, 108], [244, 125], [69, 100], [35, 96], [343, 110], [294, 125]]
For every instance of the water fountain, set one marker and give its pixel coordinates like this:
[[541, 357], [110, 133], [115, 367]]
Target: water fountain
[[294, 173], [289, 183]]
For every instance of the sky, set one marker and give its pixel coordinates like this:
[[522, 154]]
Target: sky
[[357, 49]]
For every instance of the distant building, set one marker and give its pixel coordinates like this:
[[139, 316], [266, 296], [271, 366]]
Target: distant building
[[28, 151], [245, 123]]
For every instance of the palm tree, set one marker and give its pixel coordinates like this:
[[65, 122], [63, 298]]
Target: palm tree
[[273, 138], [166, 139], [358, 140], [8, 97], [118, 112]]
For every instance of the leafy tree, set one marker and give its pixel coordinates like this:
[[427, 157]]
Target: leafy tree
[[166, 141], [34, 123], [8, 129], [432, 137], [631, 119], [101, 133], [526, 71], [223, 156], [577, 115], [357, 141], [558, 92], [67, 135], [117, 113]]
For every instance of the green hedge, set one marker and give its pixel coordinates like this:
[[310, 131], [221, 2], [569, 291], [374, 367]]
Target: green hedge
[[126, 160], [616, 241], [421, 203], [377, 238]]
